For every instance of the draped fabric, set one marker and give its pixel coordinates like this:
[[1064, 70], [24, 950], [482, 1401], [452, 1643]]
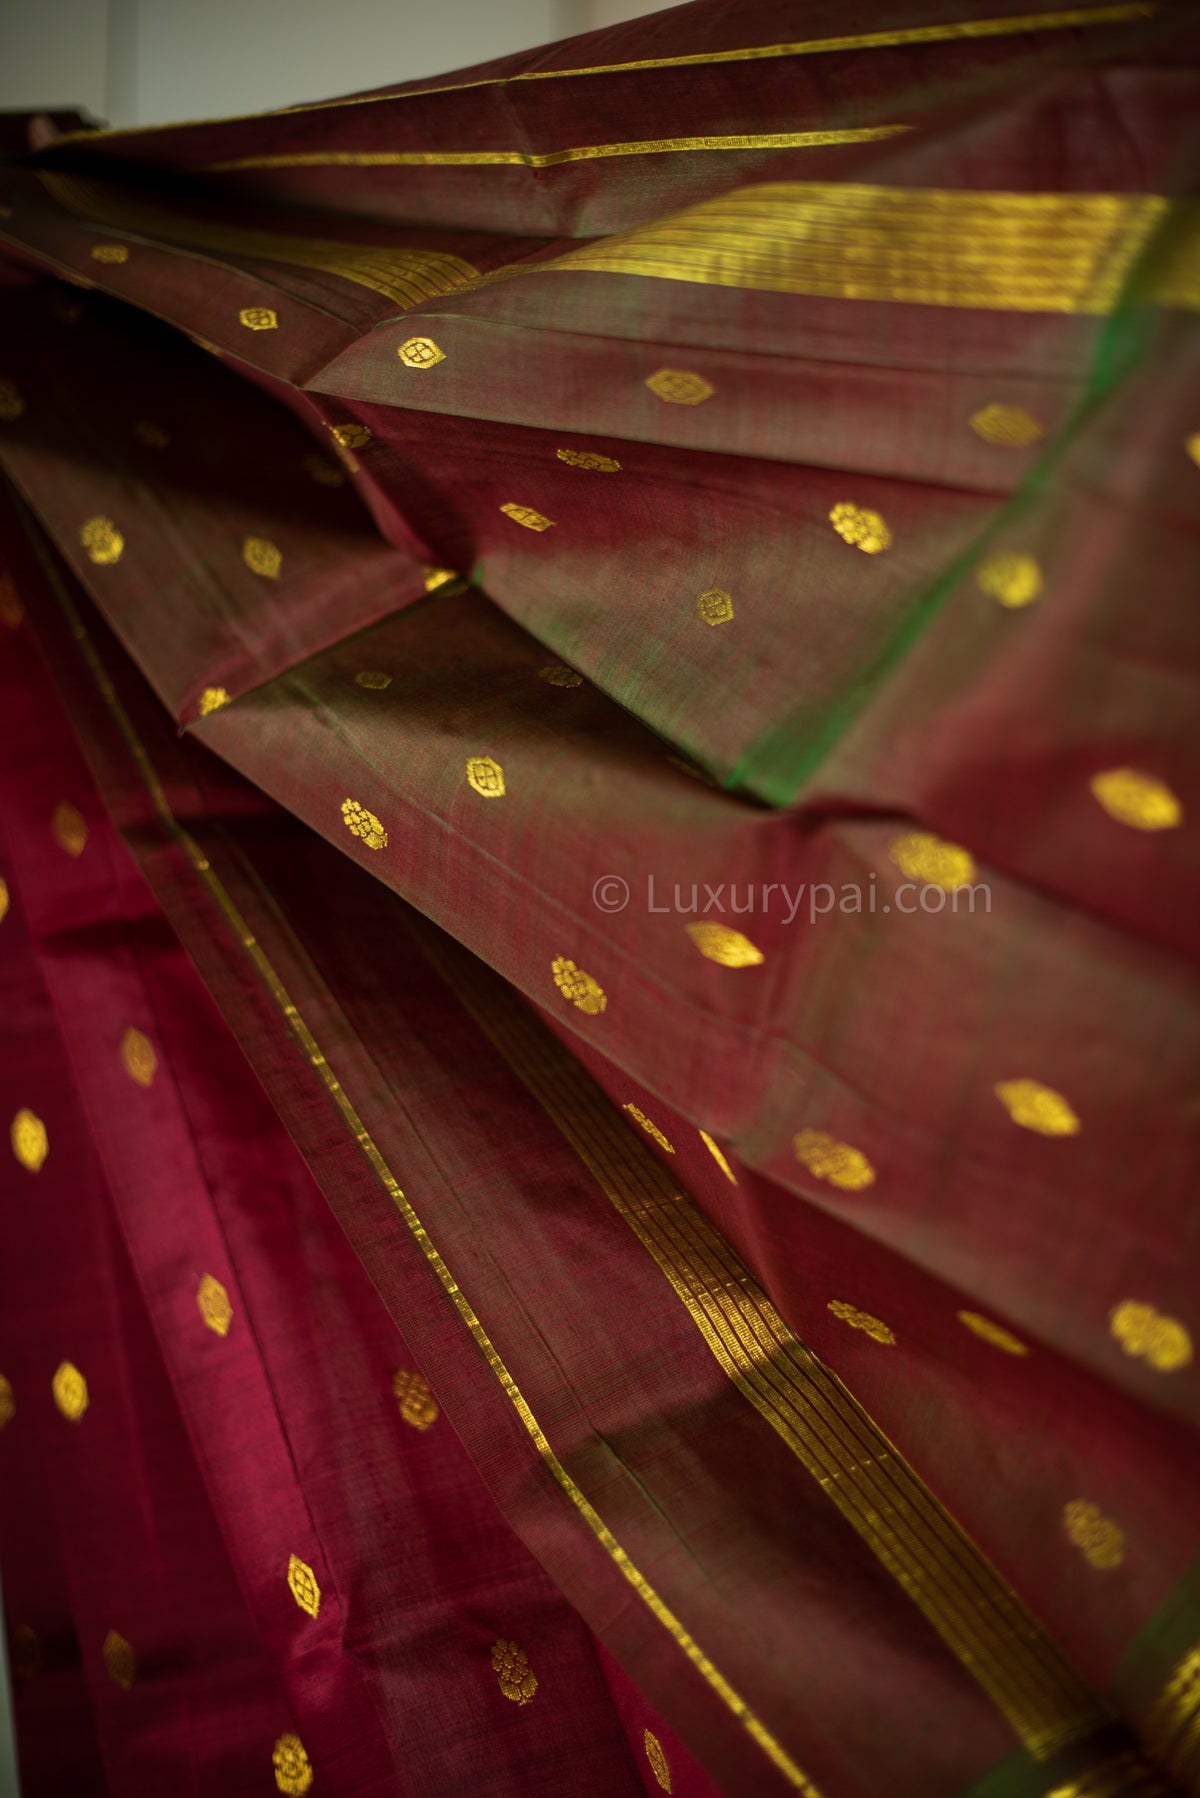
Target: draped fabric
[[599, 890]]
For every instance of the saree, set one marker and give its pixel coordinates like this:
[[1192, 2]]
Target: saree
[[599, 883]]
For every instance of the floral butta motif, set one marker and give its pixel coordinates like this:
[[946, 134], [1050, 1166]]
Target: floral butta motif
[[293, 1769], [417, 1404], [364, 824], [517, 1679], [574, 984]]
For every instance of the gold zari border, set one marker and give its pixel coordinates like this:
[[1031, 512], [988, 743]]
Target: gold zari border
[[977, 1615], [549, 159], [1172, 1729], [959, 30], [920, 246], [405, 276], [1123, 1775], [311, 1049]]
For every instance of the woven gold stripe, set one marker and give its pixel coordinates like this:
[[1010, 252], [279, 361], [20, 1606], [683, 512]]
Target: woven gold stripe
[[1124, 1775], [1172, 1730], [921, 246], [977, 1615], [402, 275], [1076, 18], [548, 159], [313, 1053]]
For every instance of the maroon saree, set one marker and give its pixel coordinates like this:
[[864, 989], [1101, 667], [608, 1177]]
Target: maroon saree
[[598, 737]]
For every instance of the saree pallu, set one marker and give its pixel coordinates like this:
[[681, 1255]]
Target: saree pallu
[[748, 1035]]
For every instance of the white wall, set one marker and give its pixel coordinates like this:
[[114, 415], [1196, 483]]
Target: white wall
[[141, 62]]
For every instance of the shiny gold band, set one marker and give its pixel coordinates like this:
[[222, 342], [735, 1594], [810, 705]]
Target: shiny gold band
[[920, 246], [404, 276], [957, 31], [549, 159], [1172, 1730]]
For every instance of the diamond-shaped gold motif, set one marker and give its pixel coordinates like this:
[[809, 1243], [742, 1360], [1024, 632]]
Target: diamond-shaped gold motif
[[417, 1403], [557, 674], [152, 435], [259, 318], [120, 1662], [1137, 799], [583, 992], [262, 557], [137, 1052], [373, 679], [715, 606], [30, 1144], [70, 1391], [680, 387], [324, 472], [102, 541], [1037, 1107], [211, 700], [837, 1162], [215, 1308], [8, 1403], [109, 252], [302, 1583], [293, 1769], [860, 527], [517, 1679], [362, 823], [1097, 1537], [932, 860], [3, 900], [420, 352], [351, 436], [11, 402], [861, 1320], [533, 521], [69, 826], [1144, 1332], [486, 776], [728, 947], [657, 1759], [1013, 580], [1009, 426], [590, 460]]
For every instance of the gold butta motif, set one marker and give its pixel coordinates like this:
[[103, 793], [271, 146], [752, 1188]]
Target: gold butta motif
[[724, 945], [715, 606], [137, 1053], [293, 1769], [101, 540], [577, 986], [1011, 579], [120, 1662], [262, 557], [680, 387], [420, 352], [1099, 1540], [30, 1142], [302, 1584], [838, 1162], [861, 1320], [1037, 1107], [70, 1391], [929, 859], [1144, 1332], [214, 1306], [652, 1130], [517, 1679], [533, 521], [860, 527], [486, 776], [1137, 799], [362, 823], [259, 318], [588, 459], [417, 1404], [1011, 427]]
